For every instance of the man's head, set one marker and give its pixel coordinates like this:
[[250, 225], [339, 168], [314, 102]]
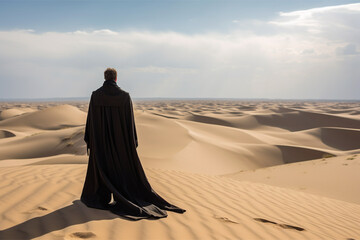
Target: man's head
[[110, 74]]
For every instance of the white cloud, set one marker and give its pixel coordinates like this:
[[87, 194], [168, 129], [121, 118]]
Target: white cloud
[[329, 19], [307, 57], [313, 17]]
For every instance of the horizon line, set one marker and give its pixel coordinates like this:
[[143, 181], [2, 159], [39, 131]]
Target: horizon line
[[66, 99]]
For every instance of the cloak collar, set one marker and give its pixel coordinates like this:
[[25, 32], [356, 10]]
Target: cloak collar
[[110, 82]]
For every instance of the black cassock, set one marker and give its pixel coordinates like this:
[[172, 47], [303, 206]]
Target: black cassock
[[114, 165]]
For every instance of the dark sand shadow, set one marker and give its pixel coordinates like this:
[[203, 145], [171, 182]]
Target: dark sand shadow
[[77, 213]]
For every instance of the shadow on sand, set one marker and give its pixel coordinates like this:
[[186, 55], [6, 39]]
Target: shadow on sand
[[74, 214]]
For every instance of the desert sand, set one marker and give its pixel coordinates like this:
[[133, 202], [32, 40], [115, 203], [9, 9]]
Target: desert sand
[[241, 169]]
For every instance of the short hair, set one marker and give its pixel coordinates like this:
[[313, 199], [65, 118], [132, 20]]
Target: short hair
[[110, 74]]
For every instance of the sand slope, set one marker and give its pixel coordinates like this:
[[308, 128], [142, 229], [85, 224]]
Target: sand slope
[[336, 177], [37, 201]]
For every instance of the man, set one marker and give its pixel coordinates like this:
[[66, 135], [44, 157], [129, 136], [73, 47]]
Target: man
[[114, 166]]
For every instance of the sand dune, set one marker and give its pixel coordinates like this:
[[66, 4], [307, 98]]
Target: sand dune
[[335, 177], [51, 118], [12, 112], [45, 143], [339, 138], [242, 170], [240, 136], [300, 120], [48, 132], [241, 141]]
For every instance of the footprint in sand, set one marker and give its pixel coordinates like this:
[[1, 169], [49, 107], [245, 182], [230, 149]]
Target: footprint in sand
[[81, 235], [38, 209], [286, 226], [225, 219], [264, 220], [291, 227], [42, 208]]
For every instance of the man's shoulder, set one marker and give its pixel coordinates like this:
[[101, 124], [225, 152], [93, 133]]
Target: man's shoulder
[[101, 97], [101, 91]]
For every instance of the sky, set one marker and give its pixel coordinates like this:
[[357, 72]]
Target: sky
[[276, 49]]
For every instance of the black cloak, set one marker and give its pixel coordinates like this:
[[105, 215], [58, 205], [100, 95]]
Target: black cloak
[[114, 165]]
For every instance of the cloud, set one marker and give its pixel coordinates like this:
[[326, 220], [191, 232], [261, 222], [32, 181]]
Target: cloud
[[314, 17], [349, 49], [325, 20], [308, 56]]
